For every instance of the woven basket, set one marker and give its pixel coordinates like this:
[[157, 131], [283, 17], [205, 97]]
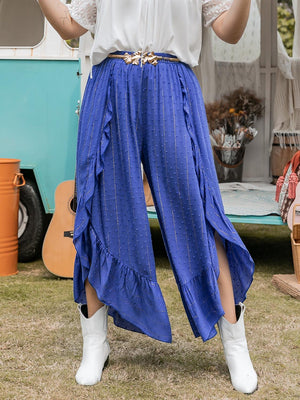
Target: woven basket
[[296, 256]]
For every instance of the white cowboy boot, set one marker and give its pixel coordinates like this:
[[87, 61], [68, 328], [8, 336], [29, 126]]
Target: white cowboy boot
[[95, 346], [243, 376]]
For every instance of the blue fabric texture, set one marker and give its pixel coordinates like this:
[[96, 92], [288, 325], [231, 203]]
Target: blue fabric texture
[[154, 115]]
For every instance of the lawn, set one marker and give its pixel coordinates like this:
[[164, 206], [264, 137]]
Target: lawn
[[40, 343]]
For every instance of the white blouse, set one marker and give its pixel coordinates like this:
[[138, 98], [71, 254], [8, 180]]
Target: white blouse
[[162, 26]]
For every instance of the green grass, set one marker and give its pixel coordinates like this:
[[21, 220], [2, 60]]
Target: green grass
[[40, 342]]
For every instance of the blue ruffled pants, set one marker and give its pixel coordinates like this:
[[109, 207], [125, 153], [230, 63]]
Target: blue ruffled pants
[[152, 115]]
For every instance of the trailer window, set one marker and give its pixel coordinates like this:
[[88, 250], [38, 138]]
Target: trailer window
[[21, 23]]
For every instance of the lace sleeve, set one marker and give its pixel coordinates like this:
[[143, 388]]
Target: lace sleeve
[[84, 12], [212, 9]]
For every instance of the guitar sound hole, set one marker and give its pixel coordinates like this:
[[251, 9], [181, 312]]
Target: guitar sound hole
[[73, 204]]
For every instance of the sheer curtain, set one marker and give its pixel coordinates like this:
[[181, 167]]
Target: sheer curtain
[[287, 95], [228, 67], [238, 65], [205, 70], [296, 49]]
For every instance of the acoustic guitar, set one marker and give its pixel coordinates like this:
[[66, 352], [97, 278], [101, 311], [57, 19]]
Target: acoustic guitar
[[58, 251]]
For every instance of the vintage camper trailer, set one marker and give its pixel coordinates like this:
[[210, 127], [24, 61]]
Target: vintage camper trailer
[[40, 91]]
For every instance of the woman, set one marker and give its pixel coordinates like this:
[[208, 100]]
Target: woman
[[143, 104]]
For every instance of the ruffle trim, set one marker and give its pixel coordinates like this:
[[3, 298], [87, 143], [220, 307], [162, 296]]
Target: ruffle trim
[[107, 274], [96, 167], [214, 211], [126, 292]]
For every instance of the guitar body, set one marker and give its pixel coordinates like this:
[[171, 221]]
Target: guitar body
[[293, 217], [58, 250]]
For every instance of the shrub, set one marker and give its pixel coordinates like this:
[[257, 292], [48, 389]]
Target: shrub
[[286, 24]]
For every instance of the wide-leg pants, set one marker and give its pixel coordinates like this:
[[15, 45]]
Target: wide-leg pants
[[154, 115]]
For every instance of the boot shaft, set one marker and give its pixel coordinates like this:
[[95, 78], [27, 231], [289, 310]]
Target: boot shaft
[[233, 332], [96, 324]]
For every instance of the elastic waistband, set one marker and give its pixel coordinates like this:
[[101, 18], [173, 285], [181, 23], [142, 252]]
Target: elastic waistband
[[138, 57]]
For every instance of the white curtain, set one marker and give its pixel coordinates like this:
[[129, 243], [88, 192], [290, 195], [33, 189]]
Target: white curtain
[[287, 96], [205, 70], [238, 65], [296, 49], [247, 49], [228, 67]]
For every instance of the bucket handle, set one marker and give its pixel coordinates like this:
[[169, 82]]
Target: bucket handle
[[19, 180], [228, 165]]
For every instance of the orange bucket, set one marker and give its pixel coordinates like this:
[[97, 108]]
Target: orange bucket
[[10, 181]]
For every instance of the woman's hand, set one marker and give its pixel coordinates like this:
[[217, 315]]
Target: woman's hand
[[59, 17], [230, 25]]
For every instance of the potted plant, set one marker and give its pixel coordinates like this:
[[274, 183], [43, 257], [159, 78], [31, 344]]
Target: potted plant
[[231, 121]]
